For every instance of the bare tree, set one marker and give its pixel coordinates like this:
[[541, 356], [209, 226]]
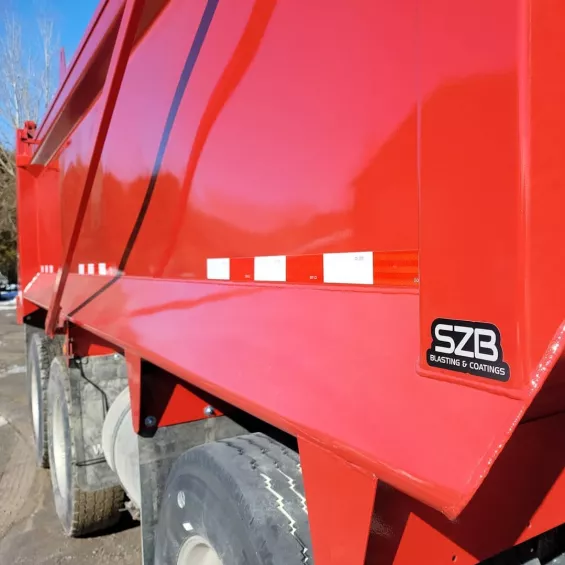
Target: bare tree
[[8, 228], [26, 87], [7, 165], [26, 71], [46, 28]]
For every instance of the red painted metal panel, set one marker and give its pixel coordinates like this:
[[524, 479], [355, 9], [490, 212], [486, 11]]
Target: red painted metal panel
[[168, 399], [27, 204], [116, 69], [521, 498], [347, 514], [306, 362], [26, 208], [470, 189], [544, 254], [385, 127], [81, 343], [49, 217]]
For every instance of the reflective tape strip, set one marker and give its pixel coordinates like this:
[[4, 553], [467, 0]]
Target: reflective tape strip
[[272, 268], [366, 268], [380, 268], [96, 269], [83, 269], [218, 269], [30, 283], [348, 268]]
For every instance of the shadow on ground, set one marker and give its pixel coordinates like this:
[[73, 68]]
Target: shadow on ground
[[29, 530]]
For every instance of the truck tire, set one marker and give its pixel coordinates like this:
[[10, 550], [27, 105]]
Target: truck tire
[[40, 354], [238, 501], [80, 511]]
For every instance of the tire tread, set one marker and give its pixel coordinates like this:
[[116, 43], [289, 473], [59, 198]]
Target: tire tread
[[96, 510], [91, 511], [252, 489], [46, 349], [269, 458]]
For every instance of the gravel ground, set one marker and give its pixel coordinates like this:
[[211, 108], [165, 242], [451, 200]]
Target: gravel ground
[[29, 530]]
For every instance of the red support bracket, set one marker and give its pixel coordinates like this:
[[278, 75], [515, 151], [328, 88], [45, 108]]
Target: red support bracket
[[158, 398], [124, 44], [340, 499], [82, 343], [25, 139]]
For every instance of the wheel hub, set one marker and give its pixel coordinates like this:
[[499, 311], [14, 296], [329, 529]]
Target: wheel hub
[[197, 551]]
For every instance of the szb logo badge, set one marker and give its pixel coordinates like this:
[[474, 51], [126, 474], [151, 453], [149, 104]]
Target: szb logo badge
[[468, 347]]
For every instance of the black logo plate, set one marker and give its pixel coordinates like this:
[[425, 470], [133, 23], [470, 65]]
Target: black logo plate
[[468, 347]]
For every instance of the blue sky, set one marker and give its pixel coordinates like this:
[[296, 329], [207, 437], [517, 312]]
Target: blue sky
[[71, 17]]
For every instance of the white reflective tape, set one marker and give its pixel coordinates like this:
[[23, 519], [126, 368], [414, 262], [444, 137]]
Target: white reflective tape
[[42, 268], [51, 268], [81, 269], [218, 269], [348, 268], [102, 268], [30, 283], [91, 268], [270, 268]]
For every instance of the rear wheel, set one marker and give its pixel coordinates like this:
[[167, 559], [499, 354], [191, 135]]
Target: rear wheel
[[234, 502], [80, 511], [41, 351]]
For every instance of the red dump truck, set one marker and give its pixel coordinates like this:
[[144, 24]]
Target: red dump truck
[[291, 280]]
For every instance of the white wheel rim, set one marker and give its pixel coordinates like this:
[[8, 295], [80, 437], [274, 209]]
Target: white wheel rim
[[59, 448], [34, 402], [198, 551]]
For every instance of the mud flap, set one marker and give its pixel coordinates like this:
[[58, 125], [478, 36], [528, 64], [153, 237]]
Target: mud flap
[[95, 384]]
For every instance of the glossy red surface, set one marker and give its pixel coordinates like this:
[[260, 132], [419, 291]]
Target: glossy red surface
[[347, 516], [299, 129], [27, 202], [82, 343], [236, 353], [38, 216], [124, 43], [521, 497]]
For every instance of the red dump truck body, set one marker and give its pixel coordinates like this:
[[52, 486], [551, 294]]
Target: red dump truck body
[[344, 219]]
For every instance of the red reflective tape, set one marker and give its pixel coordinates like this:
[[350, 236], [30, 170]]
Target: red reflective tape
[[395, 268], [305, 269], [241, 269]]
